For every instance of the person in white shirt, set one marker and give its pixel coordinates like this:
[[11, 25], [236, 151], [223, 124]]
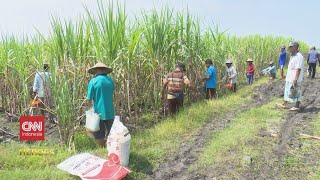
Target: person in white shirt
[[294, 77], [41, 88], [231, 74]]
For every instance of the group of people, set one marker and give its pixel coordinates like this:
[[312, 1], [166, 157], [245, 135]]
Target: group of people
[[101, 86]]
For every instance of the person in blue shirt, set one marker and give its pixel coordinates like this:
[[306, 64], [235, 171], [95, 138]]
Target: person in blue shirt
[[282, 60], [211, 80], [100, 95]]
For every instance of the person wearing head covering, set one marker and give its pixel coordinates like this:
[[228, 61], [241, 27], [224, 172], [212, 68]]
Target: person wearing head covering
[[41, 88], [282, 59], [250, 71], [230, 75], [312, 59], [294, 78], [174, 83], [272, 70], [211, 80], [100, 95]]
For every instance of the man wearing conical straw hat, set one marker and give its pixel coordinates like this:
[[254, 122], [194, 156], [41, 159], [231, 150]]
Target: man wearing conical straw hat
[[100, 94]]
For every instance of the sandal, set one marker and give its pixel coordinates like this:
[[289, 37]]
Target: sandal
[[282, 106], [294, 109]]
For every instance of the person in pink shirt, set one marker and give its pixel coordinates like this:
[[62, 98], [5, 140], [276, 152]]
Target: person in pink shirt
[[250, 71]]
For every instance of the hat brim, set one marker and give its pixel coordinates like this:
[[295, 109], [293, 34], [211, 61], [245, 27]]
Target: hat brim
[[93, 70], [249, 60]]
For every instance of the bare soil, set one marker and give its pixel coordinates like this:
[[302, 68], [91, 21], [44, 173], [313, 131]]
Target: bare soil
[[176, 166], [271, 162]]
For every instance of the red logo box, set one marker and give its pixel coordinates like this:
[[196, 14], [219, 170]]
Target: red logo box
[[32, 128]]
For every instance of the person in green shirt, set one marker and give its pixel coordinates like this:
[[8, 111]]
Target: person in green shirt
[[100, 95]]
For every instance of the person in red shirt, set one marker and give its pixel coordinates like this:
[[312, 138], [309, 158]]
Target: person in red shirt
[[250, 71]]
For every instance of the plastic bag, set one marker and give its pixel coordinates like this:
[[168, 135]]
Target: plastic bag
[[88, 166], [118, 142], [92, 121], [294, 92]]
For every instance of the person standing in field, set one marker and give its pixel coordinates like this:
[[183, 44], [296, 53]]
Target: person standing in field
[[282, 60], [231, 75], [174, 83], [312, 59], [41, 88], [294, 78], [250, 71], [211, 80], [100, 95]]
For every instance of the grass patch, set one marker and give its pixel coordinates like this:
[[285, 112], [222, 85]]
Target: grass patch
[[239, 139], [152, 145], [301, 161], [148, 147]]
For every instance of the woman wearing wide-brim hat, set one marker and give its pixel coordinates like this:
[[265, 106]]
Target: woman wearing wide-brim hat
[[100, 95], [250, 71], [231, 74]]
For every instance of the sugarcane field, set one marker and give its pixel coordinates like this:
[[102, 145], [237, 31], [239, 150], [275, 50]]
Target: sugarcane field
[[149, 89]]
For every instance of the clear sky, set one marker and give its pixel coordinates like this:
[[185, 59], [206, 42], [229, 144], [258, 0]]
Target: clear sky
[[291, 18]]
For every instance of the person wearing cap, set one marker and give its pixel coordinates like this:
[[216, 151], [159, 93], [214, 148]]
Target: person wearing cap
[[272, 70], [231, 75], [100, 95], [312, 59], [41, 88], [250, 71], [282, 60], [211, 80], [174, 83], [294, 77]]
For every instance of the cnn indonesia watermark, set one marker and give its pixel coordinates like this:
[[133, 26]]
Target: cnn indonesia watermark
[[32, 128]]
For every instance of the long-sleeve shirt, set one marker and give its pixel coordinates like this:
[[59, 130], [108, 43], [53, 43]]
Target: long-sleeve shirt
[[250, 69], [272, 70], [231, 73], [41, 83], [312, 56]]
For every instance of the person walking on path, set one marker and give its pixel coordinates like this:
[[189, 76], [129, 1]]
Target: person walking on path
[[100, 95], [250, 71], [292, 92], [231, 75], [211, 80], [312, 59], [174, 83], [282, 60], [41, 88]]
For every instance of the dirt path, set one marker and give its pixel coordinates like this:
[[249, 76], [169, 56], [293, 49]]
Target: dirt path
[[176, 167], [289, 138]]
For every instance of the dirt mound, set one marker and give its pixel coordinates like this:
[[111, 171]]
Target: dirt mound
[[290, 136], [176, 167]]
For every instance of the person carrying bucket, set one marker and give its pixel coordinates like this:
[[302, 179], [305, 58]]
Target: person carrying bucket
[[294, 78], [250, 71], [231, 75], [100, 95]]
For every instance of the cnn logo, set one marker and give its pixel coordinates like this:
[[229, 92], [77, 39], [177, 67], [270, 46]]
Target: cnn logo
[[32, 128]]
